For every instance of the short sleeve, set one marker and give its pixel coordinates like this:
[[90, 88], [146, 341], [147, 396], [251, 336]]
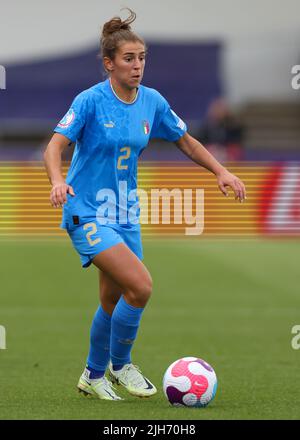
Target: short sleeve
[[72, 124], [167, 125]]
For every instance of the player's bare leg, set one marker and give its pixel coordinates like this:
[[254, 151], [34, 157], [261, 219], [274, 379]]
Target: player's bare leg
[[122, 271], [109, 292], [109, 295], [127, 271]]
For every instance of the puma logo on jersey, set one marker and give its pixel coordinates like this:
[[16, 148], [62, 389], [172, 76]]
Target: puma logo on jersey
[[109, 124]]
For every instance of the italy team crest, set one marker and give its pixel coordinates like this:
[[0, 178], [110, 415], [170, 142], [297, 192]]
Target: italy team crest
[[146, 127]]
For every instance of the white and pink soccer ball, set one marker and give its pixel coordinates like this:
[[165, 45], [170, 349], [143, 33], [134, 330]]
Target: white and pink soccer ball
[[190, 382]]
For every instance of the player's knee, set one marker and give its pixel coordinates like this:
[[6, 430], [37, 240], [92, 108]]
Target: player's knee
[[146, 289], [141, 292]]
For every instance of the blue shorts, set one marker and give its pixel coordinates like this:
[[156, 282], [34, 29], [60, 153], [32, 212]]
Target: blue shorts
[[91, 238]]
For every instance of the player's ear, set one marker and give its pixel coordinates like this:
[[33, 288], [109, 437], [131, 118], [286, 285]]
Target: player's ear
[[108, 64]]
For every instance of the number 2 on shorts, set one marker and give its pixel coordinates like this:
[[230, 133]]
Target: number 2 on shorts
[[93, 231]]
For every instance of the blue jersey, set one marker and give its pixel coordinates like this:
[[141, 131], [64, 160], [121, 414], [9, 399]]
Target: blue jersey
[[110, 135]]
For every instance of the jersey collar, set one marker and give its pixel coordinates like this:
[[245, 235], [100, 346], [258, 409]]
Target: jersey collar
[[110, 87]]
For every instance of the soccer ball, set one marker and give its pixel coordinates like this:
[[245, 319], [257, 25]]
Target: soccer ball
[[190, 382]]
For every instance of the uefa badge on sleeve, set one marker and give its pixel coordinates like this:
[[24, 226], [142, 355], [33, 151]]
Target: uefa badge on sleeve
[[67, 120], [179, 122]]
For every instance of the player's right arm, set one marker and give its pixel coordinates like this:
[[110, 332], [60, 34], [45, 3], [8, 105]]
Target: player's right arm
[[53, 163]]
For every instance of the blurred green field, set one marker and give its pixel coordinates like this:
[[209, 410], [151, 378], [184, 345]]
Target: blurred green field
[[230, 302]]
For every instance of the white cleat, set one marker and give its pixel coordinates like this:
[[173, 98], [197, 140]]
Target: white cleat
[[133, 380], [102, 388]]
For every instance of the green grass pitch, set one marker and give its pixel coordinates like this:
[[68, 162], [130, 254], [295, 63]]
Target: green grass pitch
[[230, 302]]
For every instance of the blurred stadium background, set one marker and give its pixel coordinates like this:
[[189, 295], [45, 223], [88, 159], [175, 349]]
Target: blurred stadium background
[[225, 68]]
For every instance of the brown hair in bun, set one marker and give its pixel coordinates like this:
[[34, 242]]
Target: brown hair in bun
[[115, 32]]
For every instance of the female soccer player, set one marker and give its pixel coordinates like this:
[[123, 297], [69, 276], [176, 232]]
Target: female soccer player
[[111, 124]]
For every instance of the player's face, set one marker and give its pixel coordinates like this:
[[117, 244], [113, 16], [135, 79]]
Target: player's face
[[127, 68]]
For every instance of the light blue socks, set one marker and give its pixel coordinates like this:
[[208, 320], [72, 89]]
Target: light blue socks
[[112, 337], [124, 326], [99, 354]]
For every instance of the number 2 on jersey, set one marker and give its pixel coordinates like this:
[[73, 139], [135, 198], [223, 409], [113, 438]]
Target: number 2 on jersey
[[123, 157]]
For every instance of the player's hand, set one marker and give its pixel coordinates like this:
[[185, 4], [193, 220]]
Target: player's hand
[[58, 195], [226, 179]]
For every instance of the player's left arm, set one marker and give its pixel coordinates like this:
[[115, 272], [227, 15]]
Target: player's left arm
[[199, 154]]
